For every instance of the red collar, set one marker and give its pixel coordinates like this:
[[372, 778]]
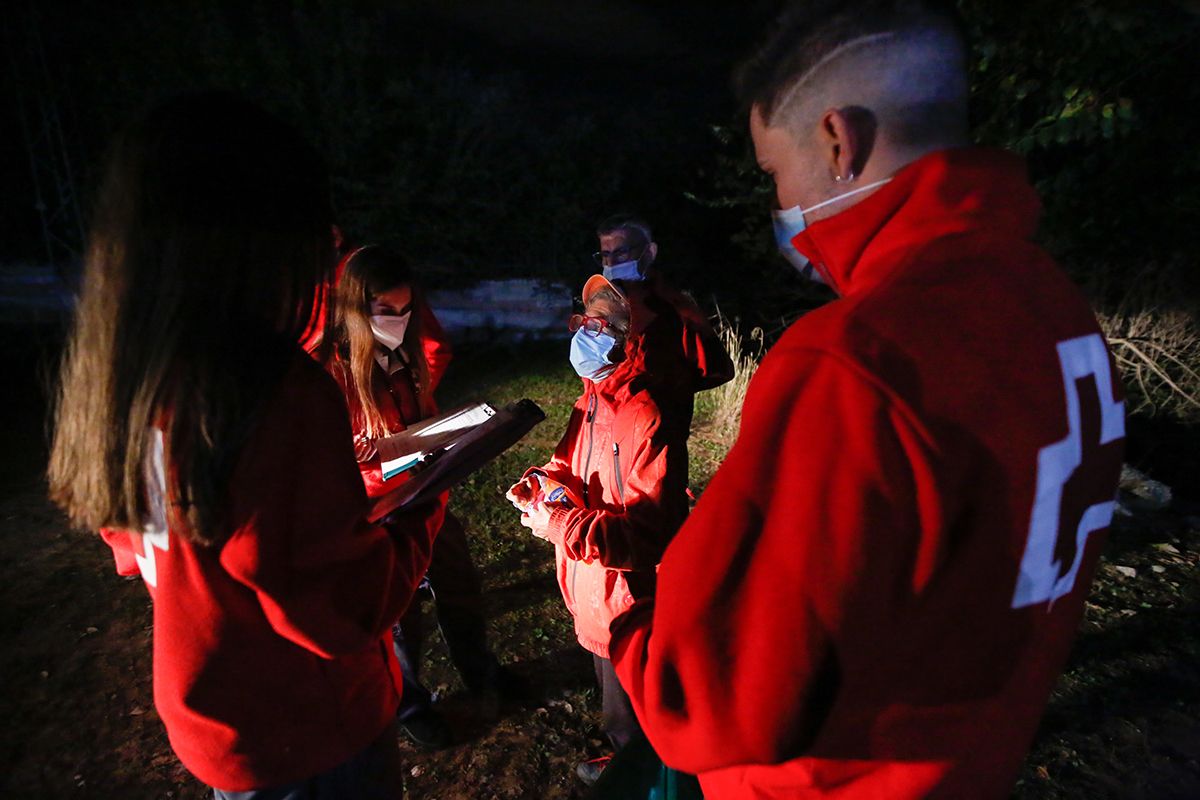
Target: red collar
[[941, 194], [627, 379]]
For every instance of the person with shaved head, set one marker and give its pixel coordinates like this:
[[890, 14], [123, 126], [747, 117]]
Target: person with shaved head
[[875, 594]]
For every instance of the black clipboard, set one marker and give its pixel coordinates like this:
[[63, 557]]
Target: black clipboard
[[452, 464]]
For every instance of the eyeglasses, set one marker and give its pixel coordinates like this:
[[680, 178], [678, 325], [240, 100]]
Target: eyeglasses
[[593, 326], [618, 256]]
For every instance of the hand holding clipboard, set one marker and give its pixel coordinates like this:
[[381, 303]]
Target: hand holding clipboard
[[443, 451]]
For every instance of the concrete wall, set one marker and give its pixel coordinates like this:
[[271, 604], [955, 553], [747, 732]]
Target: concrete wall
[[516, 309], [32, 293]]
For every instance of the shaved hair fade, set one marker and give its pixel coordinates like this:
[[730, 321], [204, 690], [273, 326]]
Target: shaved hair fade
[[903, 60]]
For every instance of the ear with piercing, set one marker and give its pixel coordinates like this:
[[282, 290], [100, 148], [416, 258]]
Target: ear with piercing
[[848, 179]]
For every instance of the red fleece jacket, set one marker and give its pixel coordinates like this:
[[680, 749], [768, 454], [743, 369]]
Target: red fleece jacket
[[682, 350], [877, 591], [272, 652]]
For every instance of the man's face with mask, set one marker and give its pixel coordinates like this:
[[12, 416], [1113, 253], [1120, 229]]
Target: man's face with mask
[[620, 246], [793, 167], [807, 187], [625, 254]]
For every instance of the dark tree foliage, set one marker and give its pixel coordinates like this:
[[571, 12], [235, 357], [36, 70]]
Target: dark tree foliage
[[1099, 97], [440, 159], [476, 173]]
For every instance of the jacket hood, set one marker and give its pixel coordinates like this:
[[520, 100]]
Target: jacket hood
[[949, 192]]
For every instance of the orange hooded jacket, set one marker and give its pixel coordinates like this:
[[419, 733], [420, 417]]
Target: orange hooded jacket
[[623, 460]]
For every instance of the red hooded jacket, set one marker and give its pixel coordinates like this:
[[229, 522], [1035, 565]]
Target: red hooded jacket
[[272, 652], [624, 461], [682, 350], [877, 591]]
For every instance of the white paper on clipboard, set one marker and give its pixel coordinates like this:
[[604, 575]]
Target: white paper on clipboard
[[410, 447], [473, 447]]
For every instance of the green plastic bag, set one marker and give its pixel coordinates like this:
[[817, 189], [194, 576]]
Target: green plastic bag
[[675, 785], [637, 773]]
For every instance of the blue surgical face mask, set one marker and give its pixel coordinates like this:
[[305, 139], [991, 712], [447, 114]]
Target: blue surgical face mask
[[789, 223], [625, 271], [589, 354]]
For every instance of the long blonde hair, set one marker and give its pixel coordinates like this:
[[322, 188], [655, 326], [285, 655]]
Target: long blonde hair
[[210, 236], [369, 272]]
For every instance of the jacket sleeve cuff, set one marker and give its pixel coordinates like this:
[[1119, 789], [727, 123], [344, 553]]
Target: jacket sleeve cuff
[[557, 526]]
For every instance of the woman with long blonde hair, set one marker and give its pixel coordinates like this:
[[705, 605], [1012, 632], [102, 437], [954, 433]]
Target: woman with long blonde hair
[[388, 352], [215, 458]]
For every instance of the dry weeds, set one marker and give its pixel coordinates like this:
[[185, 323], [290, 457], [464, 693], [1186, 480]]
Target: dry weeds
[[719, 410], [1159, 356]]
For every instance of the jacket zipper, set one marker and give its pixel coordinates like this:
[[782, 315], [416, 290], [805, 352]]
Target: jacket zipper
[[617, 472], [587, 464], [387, 384]]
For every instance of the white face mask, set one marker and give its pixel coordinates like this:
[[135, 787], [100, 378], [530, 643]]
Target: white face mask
[[389, 330], [789, 223]]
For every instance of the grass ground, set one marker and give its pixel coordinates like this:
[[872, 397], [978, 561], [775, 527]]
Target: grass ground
[[75, 640]]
